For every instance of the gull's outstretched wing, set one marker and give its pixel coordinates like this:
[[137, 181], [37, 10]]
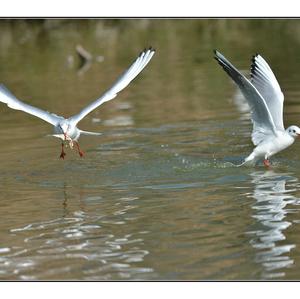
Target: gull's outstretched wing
[[266, 83], [263, 124], [12, 102], [137, 66]]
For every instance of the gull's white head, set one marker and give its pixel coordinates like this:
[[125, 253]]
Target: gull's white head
[[293, 131]]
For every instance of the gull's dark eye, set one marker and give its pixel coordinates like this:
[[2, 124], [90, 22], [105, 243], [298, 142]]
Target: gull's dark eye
[[294, 131]]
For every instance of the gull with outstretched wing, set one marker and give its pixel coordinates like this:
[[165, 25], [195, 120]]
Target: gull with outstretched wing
[[66, 129], [265, 100]]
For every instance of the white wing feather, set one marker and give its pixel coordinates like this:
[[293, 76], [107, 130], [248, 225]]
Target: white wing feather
[[12, 102], [266, 83], [137, 66], [263, 124]]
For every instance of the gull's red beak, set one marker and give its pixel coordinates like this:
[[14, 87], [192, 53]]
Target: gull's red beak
[[298, 136]]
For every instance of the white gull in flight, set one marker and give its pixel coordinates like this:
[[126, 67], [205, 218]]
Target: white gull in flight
[[66, 129], [265, 99]]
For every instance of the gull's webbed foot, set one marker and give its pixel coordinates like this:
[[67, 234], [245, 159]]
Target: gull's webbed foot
[[62, 155]]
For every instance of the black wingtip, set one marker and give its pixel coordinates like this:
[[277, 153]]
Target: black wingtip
[[253, 62], [216, 57], [253, 65], [215, 52], [253, 57], [152, 49]]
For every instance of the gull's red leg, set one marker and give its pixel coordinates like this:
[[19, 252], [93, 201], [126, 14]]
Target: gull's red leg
[[62, 155], [80, 152], [267, 163]]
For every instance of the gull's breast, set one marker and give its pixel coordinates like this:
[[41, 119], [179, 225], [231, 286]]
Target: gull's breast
[[73, 133], [280, 143]]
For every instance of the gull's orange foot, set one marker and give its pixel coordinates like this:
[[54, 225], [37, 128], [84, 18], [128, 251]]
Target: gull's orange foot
[[267, 163], [80, 152]]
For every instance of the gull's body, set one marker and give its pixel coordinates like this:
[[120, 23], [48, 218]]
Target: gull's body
[[265, 99], [66, 129]]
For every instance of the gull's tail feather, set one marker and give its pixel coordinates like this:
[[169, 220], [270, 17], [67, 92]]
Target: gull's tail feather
[[249, 161], [60, 136], [90, 133]]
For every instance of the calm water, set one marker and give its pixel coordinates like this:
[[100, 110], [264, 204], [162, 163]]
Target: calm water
[[157, 196]]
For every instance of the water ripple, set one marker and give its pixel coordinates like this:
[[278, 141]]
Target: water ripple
[[68, 242], [272, 196]]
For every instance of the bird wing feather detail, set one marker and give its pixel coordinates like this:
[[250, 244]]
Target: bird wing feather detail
[[12, 102], [263, 124], [137, 66]]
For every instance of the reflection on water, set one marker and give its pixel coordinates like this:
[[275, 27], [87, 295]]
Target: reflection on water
[[78, 243], [72, 243], [270, 212]]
